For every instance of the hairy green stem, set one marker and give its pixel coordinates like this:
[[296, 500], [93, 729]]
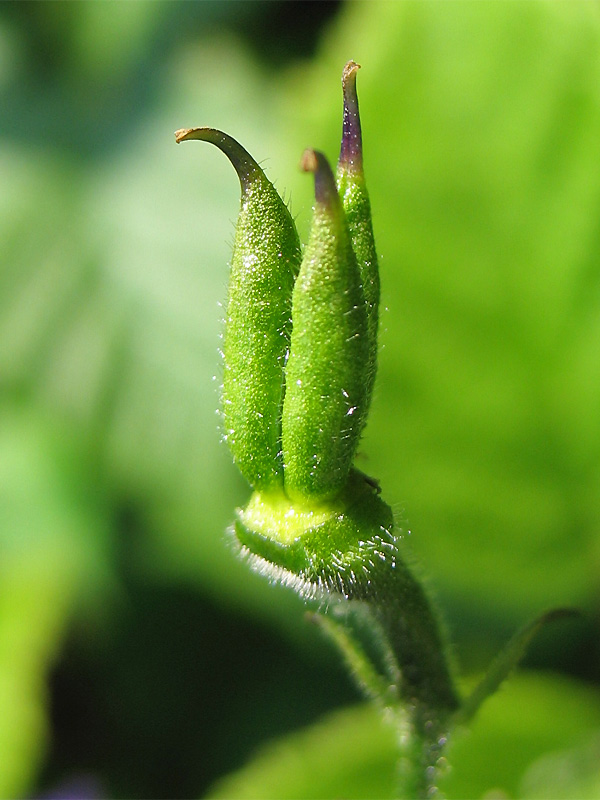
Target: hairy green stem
[[347, 557]]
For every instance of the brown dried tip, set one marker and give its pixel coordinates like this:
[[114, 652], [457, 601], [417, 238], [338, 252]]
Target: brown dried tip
[[241, 160], [309, 162], [181, 134], [349, 72]]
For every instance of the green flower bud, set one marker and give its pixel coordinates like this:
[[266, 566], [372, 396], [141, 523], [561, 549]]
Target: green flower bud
[[300, 354], [326, 374], [265, 261], [355, 200]]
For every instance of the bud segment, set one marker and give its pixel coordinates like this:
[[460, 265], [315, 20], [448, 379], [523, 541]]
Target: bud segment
[[355, 201], [265, 261], [326, 374]]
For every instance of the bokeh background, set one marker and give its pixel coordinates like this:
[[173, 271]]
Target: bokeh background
[[138, 658]]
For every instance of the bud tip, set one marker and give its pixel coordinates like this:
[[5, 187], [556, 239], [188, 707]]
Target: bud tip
[[181, 134], [309, 162], [351, 148], [243, 163], [325, 188], [349, 72]]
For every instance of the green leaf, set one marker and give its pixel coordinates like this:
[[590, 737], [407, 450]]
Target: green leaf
[[52, 561], [352, 753], [348, 754], [572, 774], [532, 715], [505, 662]]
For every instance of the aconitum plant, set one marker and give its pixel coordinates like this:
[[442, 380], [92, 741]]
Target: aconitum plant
[[300, 357]]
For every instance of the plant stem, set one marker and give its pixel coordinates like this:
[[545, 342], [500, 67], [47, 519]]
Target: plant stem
[[417, 756], [420, 695]]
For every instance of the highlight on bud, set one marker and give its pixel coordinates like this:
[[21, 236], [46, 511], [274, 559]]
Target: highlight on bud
[[264, 265], [327, 371], [357, 207]]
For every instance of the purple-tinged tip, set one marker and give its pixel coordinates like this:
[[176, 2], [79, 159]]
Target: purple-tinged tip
[[351, 148], [243, 163], [325, 188]]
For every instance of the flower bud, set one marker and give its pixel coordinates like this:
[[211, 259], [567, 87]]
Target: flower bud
[[355, 201], [327, 370], [264, 264]]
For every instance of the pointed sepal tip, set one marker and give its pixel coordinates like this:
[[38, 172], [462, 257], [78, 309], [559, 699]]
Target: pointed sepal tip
[[241, 160], [325, 186], [351, 147]]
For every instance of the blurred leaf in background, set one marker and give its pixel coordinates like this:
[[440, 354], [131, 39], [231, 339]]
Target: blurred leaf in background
[[352, 753], [110, 325], [133, 647], [480, 125]]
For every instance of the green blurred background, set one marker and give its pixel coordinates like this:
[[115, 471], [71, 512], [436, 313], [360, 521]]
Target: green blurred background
[[138, 658]]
